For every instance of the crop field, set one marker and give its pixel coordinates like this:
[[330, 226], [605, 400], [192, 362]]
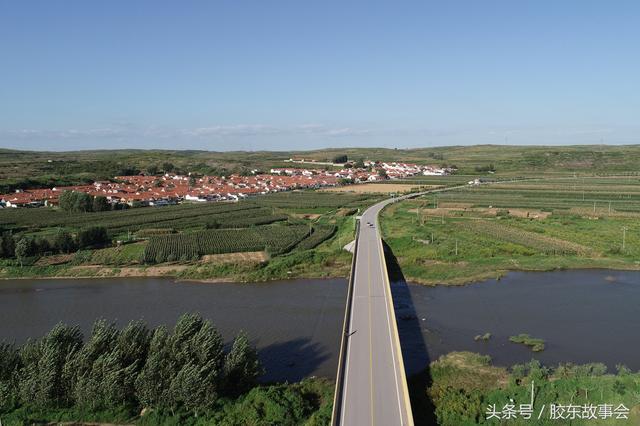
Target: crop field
[[316, 201], [483, 231], [605, 195], [255, 211], [190, 246], [301, 232]]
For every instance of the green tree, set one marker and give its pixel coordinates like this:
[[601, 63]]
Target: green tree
[[63, 242], [273, 405], [82, 202], [104, 371], [73, 201], [23, 248], [184, 368], [100, 204], [242, 367], [197, 348], [340, 159], [152, 385], [7, 245], [93, 237], [41, 379], [66, 201], [9, 368]]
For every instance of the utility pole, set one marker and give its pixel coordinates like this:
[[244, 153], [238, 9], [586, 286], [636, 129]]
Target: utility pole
[[594, 207], [609, 207], [456, 246], [624, 237]]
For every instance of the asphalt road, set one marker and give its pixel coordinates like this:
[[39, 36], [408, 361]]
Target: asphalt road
[[373, 389], [374, 384]]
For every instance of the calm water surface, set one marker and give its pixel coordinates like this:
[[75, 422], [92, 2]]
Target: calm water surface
[[584, 316], [295, 324]]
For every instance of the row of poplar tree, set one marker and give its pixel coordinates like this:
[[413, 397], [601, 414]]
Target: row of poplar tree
[[184, 369]]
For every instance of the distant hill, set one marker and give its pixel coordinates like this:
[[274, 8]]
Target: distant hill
[[29, 168]]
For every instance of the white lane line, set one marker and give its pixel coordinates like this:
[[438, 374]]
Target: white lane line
[[393, 356], [346, 367]]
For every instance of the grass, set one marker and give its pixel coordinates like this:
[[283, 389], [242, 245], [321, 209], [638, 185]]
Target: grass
[[307, 403], [482, 232], [464, 385], [536, 345]]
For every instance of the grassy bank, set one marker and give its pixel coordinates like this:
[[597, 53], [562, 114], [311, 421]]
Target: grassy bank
[[482, 232], [465, 387]]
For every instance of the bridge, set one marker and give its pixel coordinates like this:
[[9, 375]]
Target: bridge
[[371, 386]]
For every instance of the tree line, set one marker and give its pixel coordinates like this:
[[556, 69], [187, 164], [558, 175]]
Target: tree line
[[185, 369], [22, 247], [73, 201]]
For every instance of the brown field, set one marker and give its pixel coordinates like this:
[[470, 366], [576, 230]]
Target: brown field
[[378, 188], [238, 258], [308, 216]]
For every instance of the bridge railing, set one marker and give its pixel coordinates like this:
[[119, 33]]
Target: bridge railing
[[338, 395], [396, 337]]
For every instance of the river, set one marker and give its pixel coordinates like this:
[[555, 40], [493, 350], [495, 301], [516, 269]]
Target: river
[[584, 316]]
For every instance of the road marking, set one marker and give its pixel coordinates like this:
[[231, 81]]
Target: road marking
[[386, 308], [373, 422], [346, 367]]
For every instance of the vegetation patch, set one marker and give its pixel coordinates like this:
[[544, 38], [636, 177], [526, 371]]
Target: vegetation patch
[[468, 241], [147, 376], [536, 345], [465, 385], [482, 337]]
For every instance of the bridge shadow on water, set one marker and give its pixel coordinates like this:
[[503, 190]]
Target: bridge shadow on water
[[291, 360], [414, 348]]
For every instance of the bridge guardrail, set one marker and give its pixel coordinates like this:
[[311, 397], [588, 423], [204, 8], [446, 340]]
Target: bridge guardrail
[[337, 397], [396, 336]]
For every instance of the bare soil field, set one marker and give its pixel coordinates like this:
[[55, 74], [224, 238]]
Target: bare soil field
[[237, 258], [377, 188]]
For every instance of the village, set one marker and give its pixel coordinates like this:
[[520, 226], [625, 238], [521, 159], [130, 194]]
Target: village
[[150, 190]]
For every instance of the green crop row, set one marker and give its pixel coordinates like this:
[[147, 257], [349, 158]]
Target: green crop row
[[320, 234], [188, 246]]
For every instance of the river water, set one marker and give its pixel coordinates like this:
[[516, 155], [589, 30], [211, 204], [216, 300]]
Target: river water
[[584, 316]]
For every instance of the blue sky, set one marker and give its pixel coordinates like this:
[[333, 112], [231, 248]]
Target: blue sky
[[226, 75]]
